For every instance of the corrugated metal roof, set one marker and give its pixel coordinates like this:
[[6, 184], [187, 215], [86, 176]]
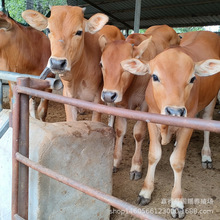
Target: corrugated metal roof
[[175, 13]]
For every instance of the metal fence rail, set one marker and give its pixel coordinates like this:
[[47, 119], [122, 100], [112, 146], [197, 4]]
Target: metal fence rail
[[12, 77], [195, 123], [111, 200], [51, 83], [20, 151]]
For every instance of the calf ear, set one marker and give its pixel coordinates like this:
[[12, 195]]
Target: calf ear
[[35, 19], [135, 66], [102, 42], [207, 67], [139, 50], [96, 23], [5, 24]]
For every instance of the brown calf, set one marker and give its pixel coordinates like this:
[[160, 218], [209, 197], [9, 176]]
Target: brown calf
[[177, 87], [75, 51], [23, 50], [126, 90]]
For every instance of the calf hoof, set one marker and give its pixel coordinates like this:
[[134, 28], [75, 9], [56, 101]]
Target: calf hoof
[[115, 169], [135, 175], [177, 213], [143, 201], [207, 165]]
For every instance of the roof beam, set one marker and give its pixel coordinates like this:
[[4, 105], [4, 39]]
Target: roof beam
[[109, 14], [168, 6], [108, 1], [189, 24], [194, 16]]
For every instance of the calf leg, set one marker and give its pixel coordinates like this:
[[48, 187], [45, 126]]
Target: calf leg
[[177, 161], [154, 156], [139, 135], [11, 85], [96, 116], [111, 118], [206, 151], [42, 109], [120, 129], [71, 112], [32, 105]]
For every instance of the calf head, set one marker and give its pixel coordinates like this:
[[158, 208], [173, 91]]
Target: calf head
[[66, 29], [117, 80], [173, 79], [136, 38]]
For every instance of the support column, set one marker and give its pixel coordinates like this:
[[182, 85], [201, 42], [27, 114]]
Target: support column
[[137, 16]]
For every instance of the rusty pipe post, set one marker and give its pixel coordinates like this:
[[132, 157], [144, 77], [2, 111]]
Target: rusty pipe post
[[24, 150], [15, 148]]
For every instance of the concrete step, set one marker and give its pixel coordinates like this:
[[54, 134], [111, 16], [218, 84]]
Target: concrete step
[[82, 151]]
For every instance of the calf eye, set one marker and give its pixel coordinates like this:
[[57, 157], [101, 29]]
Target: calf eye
[[155, 78], [192, 79], [79, 33], [47, 31], [100, 64]]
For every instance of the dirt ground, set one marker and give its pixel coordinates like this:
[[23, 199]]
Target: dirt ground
[[201, 187]]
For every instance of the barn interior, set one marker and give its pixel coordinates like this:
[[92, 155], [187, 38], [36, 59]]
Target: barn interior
[[132, 16]]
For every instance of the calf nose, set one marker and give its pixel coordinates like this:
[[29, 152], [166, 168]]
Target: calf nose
[[175, 111], [58, 64], [108, 96]]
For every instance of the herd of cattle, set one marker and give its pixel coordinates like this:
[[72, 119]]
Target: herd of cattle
[[159, 72]]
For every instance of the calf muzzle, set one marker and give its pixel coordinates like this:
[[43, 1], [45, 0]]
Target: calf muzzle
[[108, 96], [58, 64], [175, 111]]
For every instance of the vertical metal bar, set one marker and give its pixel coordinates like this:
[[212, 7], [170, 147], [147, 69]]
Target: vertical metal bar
[[3, 7], [3, 3], [137, 16], [24, 150], [15, 149], [45, 73], [127, 32], [1, 95], [4, 128]]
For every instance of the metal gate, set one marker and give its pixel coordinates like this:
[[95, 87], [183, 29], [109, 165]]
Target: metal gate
[[20, 151]]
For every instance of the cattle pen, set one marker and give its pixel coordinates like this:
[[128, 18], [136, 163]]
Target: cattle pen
[[20, 152]]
